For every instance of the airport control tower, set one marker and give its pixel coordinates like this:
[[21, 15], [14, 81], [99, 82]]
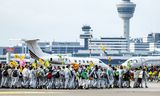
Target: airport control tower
[[125, 10], [86, 36]]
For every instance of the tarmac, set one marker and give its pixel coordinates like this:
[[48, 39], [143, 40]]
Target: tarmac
[[153, 90]]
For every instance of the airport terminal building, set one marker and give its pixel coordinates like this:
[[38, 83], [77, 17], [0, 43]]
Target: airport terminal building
[[115, 47]]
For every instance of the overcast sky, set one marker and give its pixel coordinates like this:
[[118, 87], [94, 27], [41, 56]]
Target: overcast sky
[[61, 20]]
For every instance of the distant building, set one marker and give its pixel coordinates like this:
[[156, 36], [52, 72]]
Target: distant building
[[65, 47], [113, 45], [154, 37]]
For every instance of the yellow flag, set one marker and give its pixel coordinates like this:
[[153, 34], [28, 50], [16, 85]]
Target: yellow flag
[[16, 56], [103, 48], [34, 65], [13, 63], [20, 69], [22, 57], [47, 64], [109, 58], [41, 61], [91, 64]]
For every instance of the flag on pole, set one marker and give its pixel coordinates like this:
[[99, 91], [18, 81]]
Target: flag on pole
[[91, 64], [103, 48], [41, 61], [34, 65], [109, 58], [13, 63], [22, 57], [47, 64], [20, 69], [16, 56]]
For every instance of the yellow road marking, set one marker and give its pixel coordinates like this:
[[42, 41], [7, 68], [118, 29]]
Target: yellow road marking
[[24, 92]]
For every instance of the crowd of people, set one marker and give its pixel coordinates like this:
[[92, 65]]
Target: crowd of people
[[81, 77]]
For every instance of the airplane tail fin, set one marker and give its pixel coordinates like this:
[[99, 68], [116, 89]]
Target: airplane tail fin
[[34, 50]]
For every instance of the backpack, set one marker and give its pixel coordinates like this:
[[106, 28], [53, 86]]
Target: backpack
[[117, 73], [104, 75], [57, 75], [5, 73], [84, 75], [15, 73], [49, 76]]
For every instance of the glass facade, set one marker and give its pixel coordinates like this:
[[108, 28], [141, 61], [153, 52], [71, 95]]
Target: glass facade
[[125, 10]]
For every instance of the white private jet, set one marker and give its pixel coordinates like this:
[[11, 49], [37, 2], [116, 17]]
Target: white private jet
[[142, 61], [36, 53]]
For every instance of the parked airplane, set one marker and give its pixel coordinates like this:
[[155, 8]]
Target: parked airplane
[[36, 53], [142, 61]]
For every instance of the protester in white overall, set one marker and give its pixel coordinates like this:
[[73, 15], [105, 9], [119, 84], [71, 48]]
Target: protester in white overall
[[110, 76], [72, 78], [91, 77], [67, 74], [25, 74], [99, 74], [140, 77], [145, 77], [9, 81], [77, 79], [57, 77], [80, 78], [62, 79], [49, 83], [40, 77], [136, 75], [121, 72], [103, 78], [15, 77], [0, 74], [4, 78], [95, 74], [33, 78]]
